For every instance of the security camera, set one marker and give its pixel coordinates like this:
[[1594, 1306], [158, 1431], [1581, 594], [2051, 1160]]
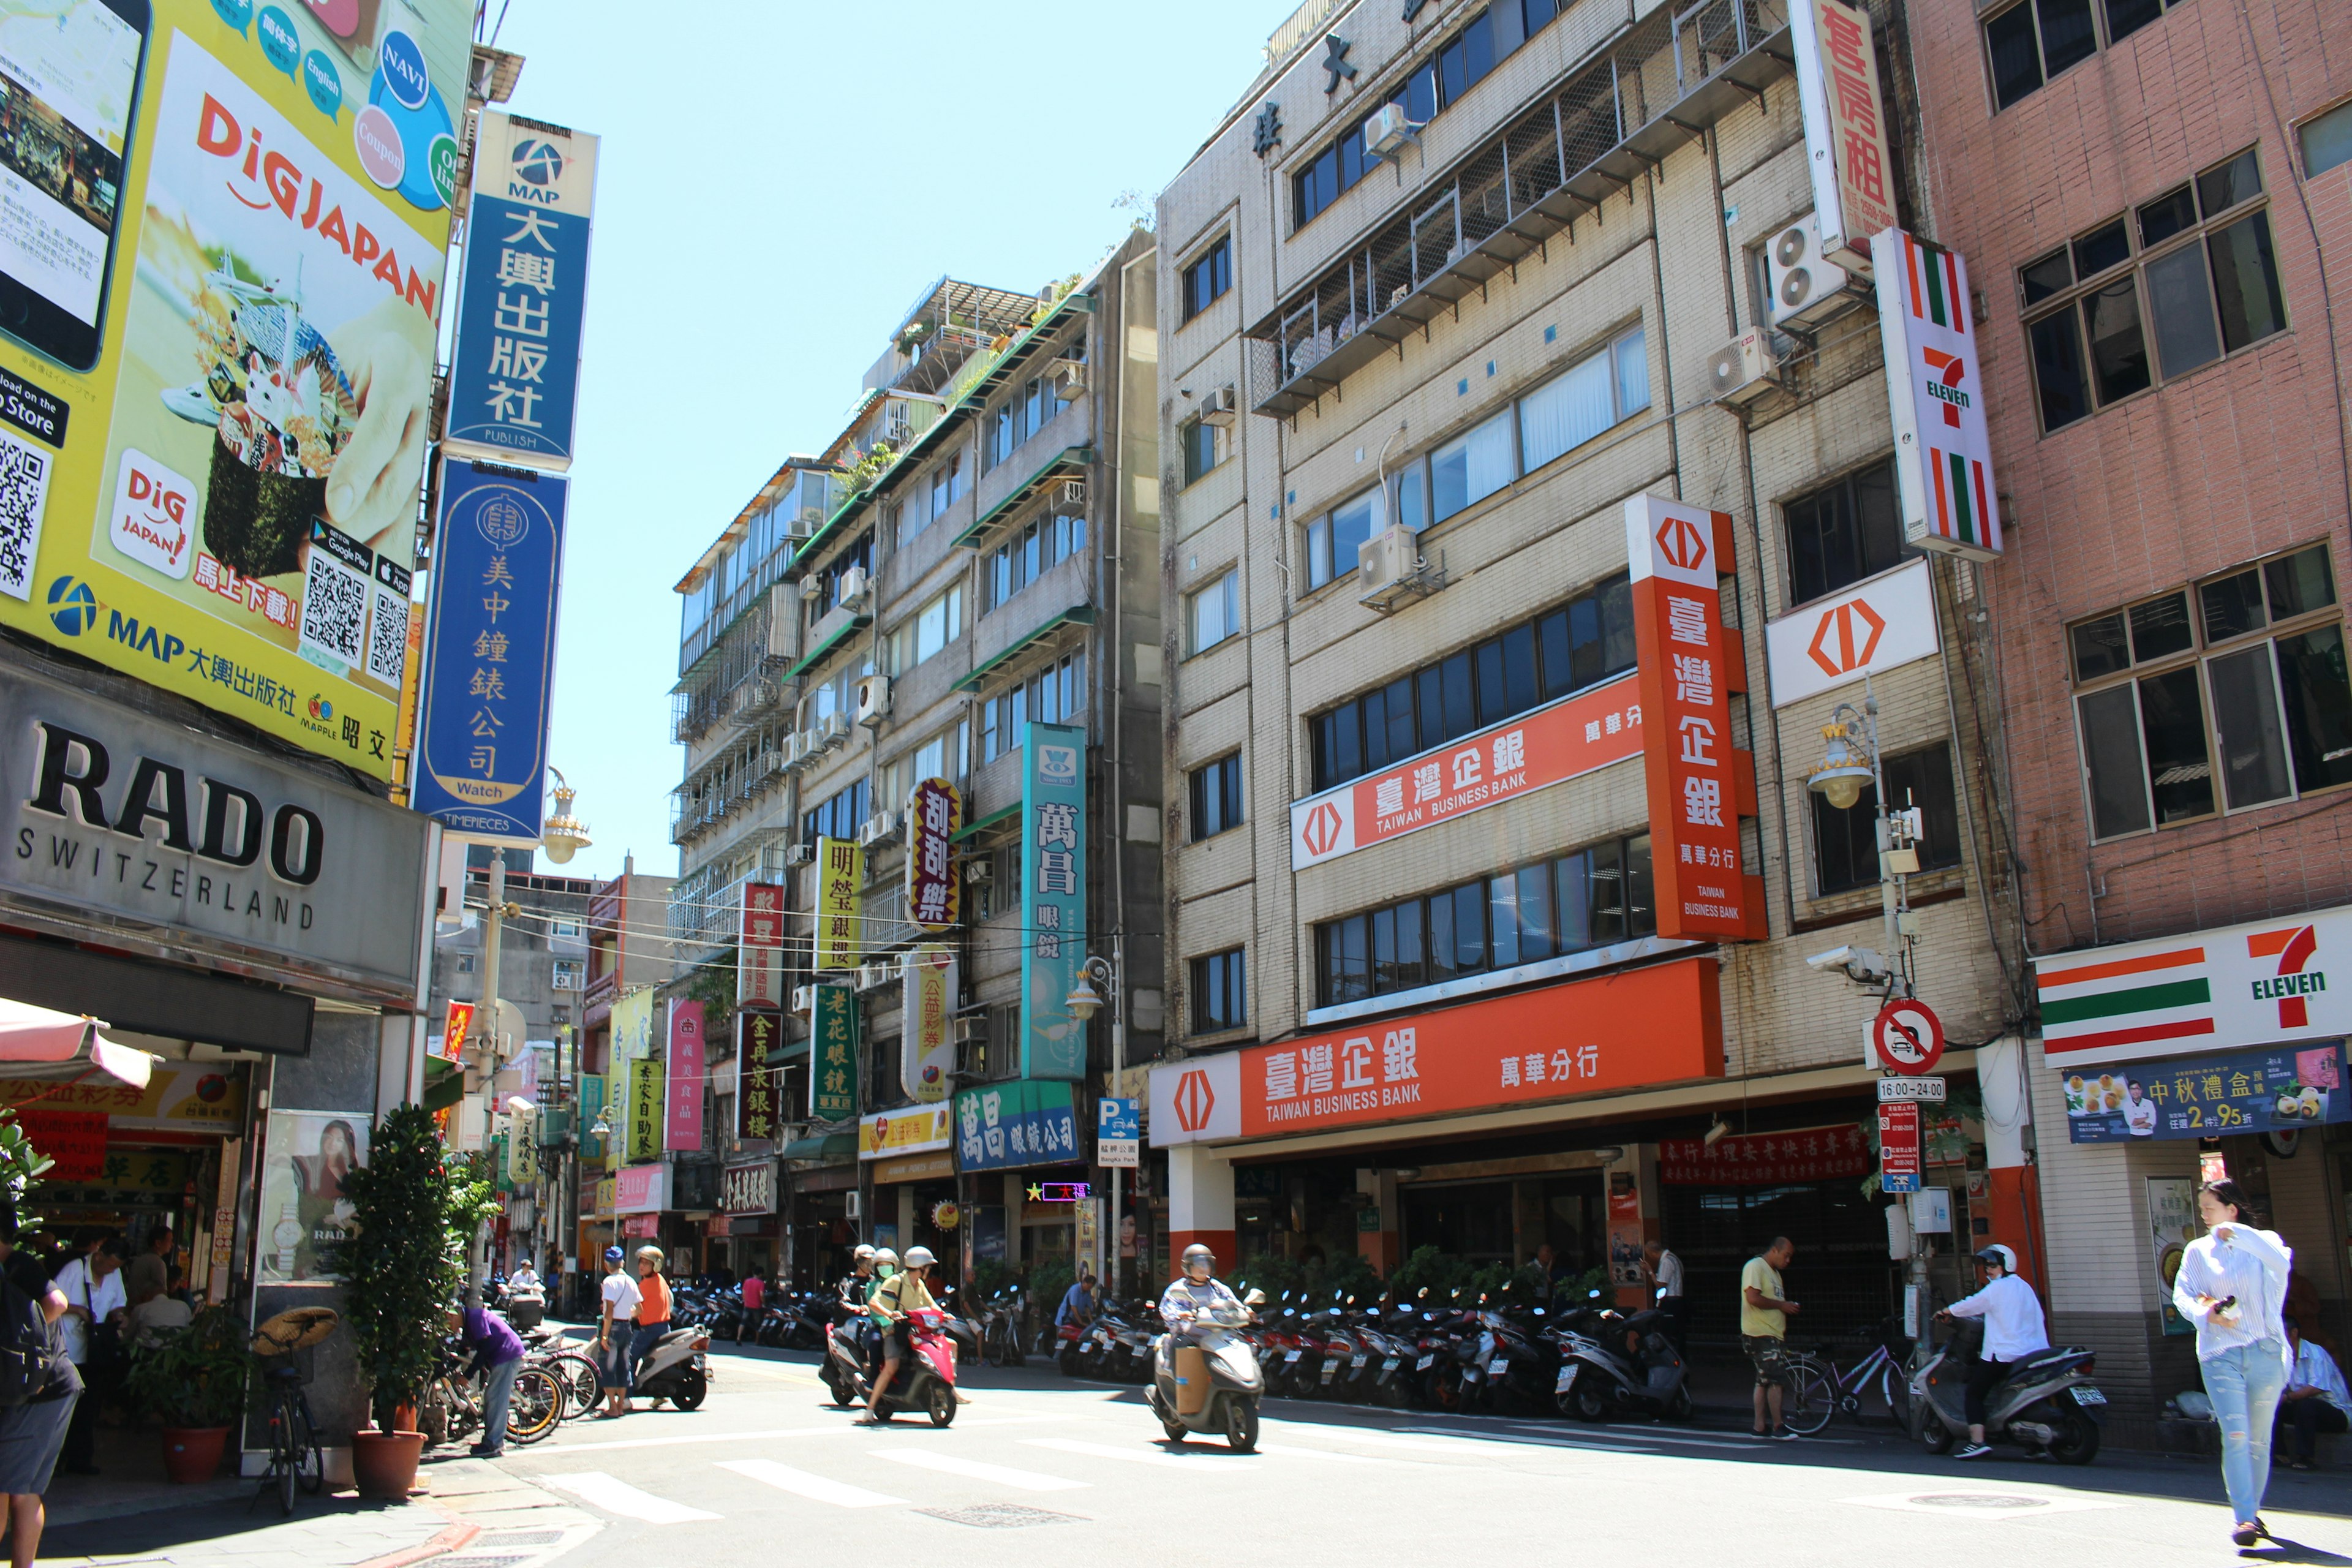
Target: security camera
[[1862, 966]]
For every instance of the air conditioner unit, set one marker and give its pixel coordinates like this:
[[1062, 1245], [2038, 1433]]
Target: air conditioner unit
[[1388, 132], [800, 855], [1220, 406], [1389, 556], [1069, 379], [1806, 288], [873, 699], [980, 872], [1744, 369], [794, 757], [873, 976], [812, 588], [882, 825], [853, 584], [803, 999], [971, 1031], [1072, 493], [831, 732], [898, 433]]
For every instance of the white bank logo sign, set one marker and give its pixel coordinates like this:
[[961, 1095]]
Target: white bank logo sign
[[110, 810]]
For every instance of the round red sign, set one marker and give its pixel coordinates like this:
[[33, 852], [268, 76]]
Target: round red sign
[[1908, 1038]]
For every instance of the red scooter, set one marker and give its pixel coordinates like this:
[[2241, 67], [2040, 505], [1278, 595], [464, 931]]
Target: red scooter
[[927, 1379]]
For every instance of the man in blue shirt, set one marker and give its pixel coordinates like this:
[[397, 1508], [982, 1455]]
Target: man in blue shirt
[[2314, 1399], [1078, 1301], [497, 1356]]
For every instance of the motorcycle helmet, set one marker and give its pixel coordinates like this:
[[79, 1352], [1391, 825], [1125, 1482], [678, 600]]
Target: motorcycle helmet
[[1201, 1255], [614, 1255], [886, 1262], [920, 1258], [1998, 1257], [865, 1254]]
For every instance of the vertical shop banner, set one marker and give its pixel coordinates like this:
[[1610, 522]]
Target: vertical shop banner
[[1699, 786], [684, 1131], [759, 1082], [219, 347], [759, 947], [457, 1023], [2172, 1225], [840, 873], [926, 1040], [633, 1030], [832, 1062], [1935, 392], [515, 376], [1845, 130], [303, 1213], [592, 1105], [489, 653], [644, 1142], [934, 813], [522, 1148], [1053, 892]]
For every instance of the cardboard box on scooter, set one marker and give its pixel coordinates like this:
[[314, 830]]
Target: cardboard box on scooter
[[1191, 1380]]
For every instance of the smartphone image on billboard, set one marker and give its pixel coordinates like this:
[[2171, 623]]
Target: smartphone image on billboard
[[68, 82]]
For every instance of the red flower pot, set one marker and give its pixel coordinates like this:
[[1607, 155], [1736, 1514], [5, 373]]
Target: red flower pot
[[383, 1464], [192, 1454]]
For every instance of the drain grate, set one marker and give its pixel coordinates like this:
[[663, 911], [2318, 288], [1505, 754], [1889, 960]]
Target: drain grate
[[1991, 1501], [500, 1540], [482, 1559], [999, 1516]]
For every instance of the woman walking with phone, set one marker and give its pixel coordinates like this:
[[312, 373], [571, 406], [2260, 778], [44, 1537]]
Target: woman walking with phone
[[2232, 1285]]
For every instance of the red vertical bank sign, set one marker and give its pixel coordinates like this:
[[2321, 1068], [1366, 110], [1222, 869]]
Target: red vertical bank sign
[[1699, 786], [685, 1099]]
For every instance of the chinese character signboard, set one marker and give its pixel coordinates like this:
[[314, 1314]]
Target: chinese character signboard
[[759, 947], [1053, 897], [74, 1139], [1765, 1160], [1699, 786], [840, 873], [926, 1041], [489, 653], [1009, 1125], [1845, 134], [1898, 1147], [1935, 392], [749, 1188], [1887, 621], [833, 1054], [633, 1035], [225, 248], [644, 1140], [1573, 737], [684, 1131], [592, 1105], [2279, 1090], [759, 1082], [517, 365], [910, 1131], [934, 813]]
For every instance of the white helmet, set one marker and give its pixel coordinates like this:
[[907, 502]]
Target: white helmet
[[920, 1258], [865, 1253], [1999, 1257], [884, 1255]]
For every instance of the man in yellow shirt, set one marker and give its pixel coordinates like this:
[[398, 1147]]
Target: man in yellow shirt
[[1763, 1331]]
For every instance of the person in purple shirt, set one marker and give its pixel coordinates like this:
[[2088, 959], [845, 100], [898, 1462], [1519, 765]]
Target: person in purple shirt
[[497, 1356]]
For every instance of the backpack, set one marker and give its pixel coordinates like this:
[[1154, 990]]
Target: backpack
[[24, 1348]]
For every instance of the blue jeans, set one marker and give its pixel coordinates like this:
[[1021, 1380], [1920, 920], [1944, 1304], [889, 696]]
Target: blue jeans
[[497, 1394], [2243, 1382], [641, 1345]]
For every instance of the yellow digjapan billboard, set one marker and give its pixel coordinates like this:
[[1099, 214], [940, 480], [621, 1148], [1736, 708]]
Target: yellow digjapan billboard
[[223, 235]]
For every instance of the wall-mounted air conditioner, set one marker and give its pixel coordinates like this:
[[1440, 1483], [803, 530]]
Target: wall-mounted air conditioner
[[1806, 288], [1744, 369], [853, 585], [1389, 556], [812, 588], [873, 976], [800, 855], [831, 731], [873, 699], [1387, 134], [803, 999], [1220, 406], [877, 827], [1069, 379], [980, 872]]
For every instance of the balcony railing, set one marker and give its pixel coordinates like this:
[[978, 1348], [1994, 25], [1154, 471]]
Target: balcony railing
[[1664, 82]]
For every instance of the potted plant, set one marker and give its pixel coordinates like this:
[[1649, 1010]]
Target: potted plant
[[414, 1212], [198, 1380]]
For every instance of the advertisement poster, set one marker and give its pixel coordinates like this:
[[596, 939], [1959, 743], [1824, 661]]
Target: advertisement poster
[[2280, 1090], [222, 268], [1054, 887], [2172, 1225], [926, 1037], [74, 1141], [303, 1211]]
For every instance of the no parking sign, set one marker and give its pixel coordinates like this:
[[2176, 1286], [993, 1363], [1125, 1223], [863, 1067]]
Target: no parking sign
[[1907, 1038]]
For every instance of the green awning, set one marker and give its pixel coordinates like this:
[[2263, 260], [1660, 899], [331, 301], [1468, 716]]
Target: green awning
[[791, 1053], [1060, 463], [833, 640], [842, 516], [1076, 615], [979, 825], [832, 1146], [444, 1083]]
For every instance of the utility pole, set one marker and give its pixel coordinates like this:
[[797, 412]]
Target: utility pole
[[486, 1044]]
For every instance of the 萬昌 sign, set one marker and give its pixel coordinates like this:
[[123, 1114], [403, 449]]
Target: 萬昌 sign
[[1008, 1125], [1053, 892]]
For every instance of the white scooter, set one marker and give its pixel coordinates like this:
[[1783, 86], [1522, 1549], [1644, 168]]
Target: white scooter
[[676, 1369], [1236, 1381]]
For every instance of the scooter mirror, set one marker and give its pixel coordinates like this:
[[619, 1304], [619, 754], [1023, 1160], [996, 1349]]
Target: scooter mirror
[[1253, 1299]]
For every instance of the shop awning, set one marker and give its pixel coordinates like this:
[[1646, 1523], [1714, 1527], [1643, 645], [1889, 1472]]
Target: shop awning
[[30, 1035], [832, 1146], [444, 1083], [1076, 615], [980, 825]]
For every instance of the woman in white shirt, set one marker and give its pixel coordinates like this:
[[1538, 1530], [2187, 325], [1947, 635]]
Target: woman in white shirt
[[2014, 1330], [2232, 1286]]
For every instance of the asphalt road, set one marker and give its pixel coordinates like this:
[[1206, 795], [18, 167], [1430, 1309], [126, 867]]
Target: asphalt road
[[1037, 1464]]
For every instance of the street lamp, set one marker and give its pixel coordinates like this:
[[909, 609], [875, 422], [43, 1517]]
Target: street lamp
[[1084, 1002], [564, 834], [1851, 761]]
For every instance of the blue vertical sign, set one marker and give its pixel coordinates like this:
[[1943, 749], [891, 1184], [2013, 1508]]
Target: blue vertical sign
[[515, 377], [1054, 889], [489, 652]]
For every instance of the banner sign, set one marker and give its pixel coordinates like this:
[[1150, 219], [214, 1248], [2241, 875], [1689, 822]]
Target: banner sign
[[224, 253], [840, 873], [759, 947], [1574, 736], [2280, 1090], [1764, 1160], [1935, 392], [633, 1039], [934, 813], [74, 1139], [1699, 786], [1053, 891], [909, 1130], [759, 1082], [644, 1140], [515, 374], [1845, 135], [592, 1105], [1008, 1125], [1898, 1147], [749, 1188], [458, 1025], [641, 1189], [832, 1068], [926, 1038], [489, 653], [1869, 630], [2263, 983], [684, 1132]]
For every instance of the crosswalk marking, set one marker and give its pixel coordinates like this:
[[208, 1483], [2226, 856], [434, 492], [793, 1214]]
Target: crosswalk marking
[[1288, 1451], [701, 1437], [1202, 1464], [618, 1496], [817, 1489], [1002, 1475]]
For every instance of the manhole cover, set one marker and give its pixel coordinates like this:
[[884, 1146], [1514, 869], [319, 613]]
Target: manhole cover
[[999, 1516], [1989, 1500], [500, 1540]]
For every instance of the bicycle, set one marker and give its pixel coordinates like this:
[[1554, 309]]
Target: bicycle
[[452, 1406], [295, 1459], [1817, 1391], [581, 1377]]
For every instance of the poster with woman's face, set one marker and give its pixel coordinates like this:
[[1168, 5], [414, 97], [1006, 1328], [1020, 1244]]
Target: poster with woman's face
[[304, 1211]]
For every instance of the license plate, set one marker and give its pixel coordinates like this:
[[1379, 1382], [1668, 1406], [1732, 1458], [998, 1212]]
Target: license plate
[[1390, 1364], [1360, 1359], [1291, 1357], [1329, 1369], [1498, 1366], [1423, 1365], [2085, 1394]]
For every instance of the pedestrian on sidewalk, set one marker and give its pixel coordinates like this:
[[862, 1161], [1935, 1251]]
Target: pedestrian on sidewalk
[[92, 1324], [497, 1356], [1664, 1272], [2014, 1330], [2232, 1285], [34, 1433], [1764, 1331], [615, 1317], [150, 1274], [2314, 1400], [653, 1310]]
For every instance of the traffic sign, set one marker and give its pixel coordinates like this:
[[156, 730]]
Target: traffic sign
[[1893, 1089], [1908, 1038], [1898, 1147], [1118, 1132]]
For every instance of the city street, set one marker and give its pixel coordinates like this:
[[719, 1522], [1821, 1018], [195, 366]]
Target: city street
[[768, 1460]]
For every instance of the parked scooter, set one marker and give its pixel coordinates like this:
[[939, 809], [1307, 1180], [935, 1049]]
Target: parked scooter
[[675, 1369], [1235, 1385], [927, 1379], [2047, 1405], [1614, 1365]]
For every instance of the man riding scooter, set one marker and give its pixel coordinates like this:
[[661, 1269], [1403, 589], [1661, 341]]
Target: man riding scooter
[[906, 1291], [1195, 1307], [2013, 1330]]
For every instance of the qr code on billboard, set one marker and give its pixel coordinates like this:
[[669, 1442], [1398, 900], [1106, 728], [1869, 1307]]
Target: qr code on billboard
[[334, 608], [387, 648], [23, 490]]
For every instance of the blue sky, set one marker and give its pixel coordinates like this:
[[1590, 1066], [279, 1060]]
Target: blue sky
[[778, 184]]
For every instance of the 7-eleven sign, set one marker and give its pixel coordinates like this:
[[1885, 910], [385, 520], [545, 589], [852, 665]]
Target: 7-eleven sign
[[1943, 448]]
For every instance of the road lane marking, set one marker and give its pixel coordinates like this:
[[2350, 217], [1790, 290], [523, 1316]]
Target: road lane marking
[[702, 1438], [817, 1489], [1002, 1475], [1285, 1451], [600, 1490], [1200, 1464]]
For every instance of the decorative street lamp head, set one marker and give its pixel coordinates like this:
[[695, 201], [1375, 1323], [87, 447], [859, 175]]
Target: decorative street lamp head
[[1844, 770], [1083, 1001], [564, 834]]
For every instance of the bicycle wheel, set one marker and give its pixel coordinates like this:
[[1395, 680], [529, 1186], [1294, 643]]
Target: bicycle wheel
[[1896, 1394], [537, 1407], [281, 1459], [309, 1462], [581, 1378], [1808, 1400]]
